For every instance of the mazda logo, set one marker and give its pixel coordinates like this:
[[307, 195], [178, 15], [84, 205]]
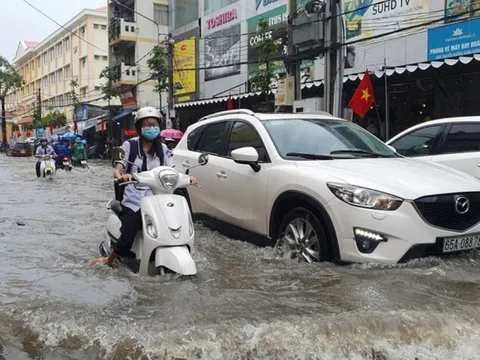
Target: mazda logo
[[462, 205]]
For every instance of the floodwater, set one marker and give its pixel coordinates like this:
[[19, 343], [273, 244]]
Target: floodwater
[[244, 303]]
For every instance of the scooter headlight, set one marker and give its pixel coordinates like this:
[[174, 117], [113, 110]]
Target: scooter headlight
[[168, 178], [150, 227]]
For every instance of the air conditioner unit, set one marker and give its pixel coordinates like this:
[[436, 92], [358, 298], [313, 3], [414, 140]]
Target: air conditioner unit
[[308, 105]]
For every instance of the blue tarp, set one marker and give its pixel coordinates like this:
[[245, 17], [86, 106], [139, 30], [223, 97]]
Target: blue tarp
[[122, 115]]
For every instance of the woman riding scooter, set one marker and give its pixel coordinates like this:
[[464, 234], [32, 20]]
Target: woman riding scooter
[[145, 152]]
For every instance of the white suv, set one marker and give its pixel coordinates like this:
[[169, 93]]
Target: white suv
[[451, 141], [326, 189]]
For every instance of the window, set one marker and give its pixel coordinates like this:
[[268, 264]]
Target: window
[[211, 6], [67, 44], [67, 72], [96, 57], [59, 49], [83, 92], [45, 58], [193, 137], [39, 62], [45, 82], [52, 54], [105, 58], [213, 140], [52, 79], [160, 14], [104, 27], [418, 142], [75, 49], [186, 11], [95, 26], [82, 32], [51, 102], [462, 138], [68, 98], [83, 62], [243, 135], [60, 101], [60, 75]]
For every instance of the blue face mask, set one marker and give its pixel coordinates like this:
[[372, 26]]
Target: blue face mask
[[151, 133]]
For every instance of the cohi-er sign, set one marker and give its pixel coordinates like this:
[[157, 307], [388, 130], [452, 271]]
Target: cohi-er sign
[[264, 3], [222, 19]]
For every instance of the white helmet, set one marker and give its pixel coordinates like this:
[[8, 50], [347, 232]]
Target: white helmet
[[147, 112]]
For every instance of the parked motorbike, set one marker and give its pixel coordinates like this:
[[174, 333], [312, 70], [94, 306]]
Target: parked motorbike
[[165, 242], [47, 166]]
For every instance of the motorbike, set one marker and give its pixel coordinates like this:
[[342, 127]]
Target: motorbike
[[82, 163], [165, 242], [65, 163], [47, 166]]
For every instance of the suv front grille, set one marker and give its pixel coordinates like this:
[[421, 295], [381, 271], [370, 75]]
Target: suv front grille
[[446, 211]]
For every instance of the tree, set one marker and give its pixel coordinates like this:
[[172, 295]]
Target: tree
[[73, 93], [261, 78], [37, 119], [157, 64], [109, 91], [10, 81], [56, 117]]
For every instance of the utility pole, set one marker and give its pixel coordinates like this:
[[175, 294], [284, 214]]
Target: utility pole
[[171, 110], [294, 66], [334, 59]]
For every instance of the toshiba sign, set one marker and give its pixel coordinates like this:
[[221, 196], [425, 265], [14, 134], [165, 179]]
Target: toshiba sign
[[221, 19]]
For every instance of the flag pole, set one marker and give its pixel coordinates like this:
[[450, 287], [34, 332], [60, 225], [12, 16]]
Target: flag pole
[[387, 117]]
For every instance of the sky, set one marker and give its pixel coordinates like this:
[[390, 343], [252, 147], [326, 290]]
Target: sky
[[22, 22]]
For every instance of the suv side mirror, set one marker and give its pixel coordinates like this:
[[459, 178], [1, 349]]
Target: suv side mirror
[[248, 156]]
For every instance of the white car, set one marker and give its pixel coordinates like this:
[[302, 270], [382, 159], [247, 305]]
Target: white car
[[454, 142], [325, 188]]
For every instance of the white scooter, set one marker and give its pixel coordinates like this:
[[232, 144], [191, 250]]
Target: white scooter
[[165, 242], [47, 166]]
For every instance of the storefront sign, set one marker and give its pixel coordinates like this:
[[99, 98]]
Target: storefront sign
[[362, 18], [263, 3], [222, 19], [184, 64], [454, 40], [456, 10]]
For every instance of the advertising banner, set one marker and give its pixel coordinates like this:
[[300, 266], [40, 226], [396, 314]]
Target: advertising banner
[[222, 48], [367, 18], [456, 10], [184, 57], [454, 40]]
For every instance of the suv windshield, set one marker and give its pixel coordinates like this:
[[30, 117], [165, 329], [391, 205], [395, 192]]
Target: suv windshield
[[22, 145], [324, 139]]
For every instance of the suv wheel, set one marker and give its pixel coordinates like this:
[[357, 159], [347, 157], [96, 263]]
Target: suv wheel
[[302, 235]]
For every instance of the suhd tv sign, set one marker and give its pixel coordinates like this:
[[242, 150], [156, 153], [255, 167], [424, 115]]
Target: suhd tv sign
[[263, 3]]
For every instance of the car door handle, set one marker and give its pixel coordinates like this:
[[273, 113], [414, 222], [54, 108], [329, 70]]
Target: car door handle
[[186, 164], [478, 164], [221, 175]]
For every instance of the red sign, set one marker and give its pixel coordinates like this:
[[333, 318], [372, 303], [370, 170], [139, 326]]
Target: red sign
[[222, 19]]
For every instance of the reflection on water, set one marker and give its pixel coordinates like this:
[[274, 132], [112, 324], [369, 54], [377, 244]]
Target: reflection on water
[[244, 304]]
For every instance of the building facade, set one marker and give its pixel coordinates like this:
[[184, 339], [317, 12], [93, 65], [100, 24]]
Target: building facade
[[425, 44], [78, 52], [135, 28]]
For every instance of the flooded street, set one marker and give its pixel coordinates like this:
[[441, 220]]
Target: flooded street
[[244, 303]]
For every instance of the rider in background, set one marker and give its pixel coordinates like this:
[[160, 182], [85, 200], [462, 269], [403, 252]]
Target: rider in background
[[78, 151], [61, 149], [43, 149]]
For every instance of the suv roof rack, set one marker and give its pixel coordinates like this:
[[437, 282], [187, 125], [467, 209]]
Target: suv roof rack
[[317, 112], [228, 112]]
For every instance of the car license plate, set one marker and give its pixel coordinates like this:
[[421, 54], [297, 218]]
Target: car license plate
[[83, 162], [460, 243], [23, 151], [65, 163]]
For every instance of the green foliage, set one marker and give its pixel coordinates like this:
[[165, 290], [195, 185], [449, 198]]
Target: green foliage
[[260, 78], [73, 92], [108, 90], [157, 64], [10, 79], [56, 117]]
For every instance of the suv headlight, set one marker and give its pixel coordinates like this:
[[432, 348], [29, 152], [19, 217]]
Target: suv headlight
[[168, 178], [366, 198]]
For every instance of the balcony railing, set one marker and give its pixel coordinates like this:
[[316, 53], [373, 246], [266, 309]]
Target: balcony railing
[[120, 28], [124, 73]]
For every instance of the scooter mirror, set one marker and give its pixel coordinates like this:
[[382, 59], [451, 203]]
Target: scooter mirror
[[203, 159], [120, 155]]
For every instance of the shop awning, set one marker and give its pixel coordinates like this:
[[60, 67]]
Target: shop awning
[[351, 77], [122, 115]]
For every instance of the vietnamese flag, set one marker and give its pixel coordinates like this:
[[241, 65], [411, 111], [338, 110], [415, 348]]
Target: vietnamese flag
[[363, 98], [75, 127], [52, 127], [229, 103]]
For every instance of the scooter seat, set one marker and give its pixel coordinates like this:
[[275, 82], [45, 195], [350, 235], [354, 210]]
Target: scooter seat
[[116, 207]]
